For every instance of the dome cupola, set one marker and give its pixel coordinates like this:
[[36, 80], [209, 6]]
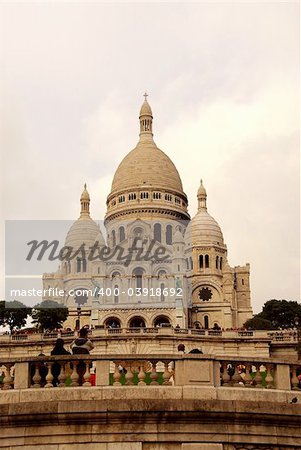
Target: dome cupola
[[203, 228], [84, 230], [146, 182]]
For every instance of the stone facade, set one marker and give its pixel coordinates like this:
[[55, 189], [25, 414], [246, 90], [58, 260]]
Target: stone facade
[[186, 282]]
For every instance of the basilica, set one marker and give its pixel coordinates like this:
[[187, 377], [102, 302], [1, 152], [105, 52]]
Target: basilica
[[151, 265]]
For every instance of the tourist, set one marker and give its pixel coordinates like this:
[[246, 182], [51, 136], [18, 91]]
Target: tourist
[[58, 349], [82, 345]]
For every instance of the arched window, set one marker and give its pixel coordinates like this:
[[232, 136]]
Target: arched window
[[84, 265], [206, 261], [112, 322], [162, 296], [113, 238], [161, 273], [137, 322], [157, 232], [115, 274], [116, 296], [206, 322], [161, 321], [138, 272], [242, 281], [187, 263], [221, 263], [191, 262], [201, 261], [137, 236], [216, 262], [78, 265], [121, 234], [69, 266], [169, 235]]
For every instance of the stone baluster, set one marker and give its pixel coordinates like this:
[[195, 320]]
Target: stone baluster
[[294, 380], [257, 380], [167, 374], [129, 375], [226, 377], [87, 375], [49, 376], [236, 377], [37, 377], [8, 381], [117, 375], [269, 379], [248, 379], [74, 375], [154, 374], [62, 376], [141, 375]]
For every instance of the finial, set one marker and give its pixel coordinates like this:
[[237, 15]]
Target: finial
[[85, 202], [202, 196], [145, 95]]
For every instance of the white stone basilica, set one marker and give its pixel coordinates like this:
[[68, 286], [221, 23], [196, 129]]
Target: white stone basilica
[[155, 266]]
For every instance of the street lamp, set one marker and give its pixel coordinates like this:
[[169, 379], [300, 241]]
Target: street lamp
[[79, 310], [298, 336]]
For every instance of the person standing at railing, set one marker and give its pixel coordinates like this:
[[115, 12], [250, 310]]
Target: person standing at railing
[[58, 349], [82, 346]]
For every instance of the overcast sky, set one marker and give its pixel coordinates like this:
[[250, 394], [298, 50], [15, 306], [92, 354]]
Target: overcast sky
[[223, 86]]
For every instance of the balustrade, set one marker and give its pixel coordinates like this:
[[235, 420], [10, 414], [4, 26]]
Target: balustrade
[[280, 336], [247, 374], [144, 370]]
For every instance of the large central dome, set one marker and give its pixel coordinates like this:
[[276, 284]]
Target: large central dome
[[146, 181], [146, 165]]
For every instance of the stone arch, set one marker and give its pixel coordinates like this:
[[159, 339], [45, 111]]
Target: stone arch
[[112, 322], [137, 321], [115, 315], [161, 319]]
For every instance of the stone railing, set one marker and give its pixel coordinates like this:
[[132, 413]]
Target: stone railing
[[275, 336], [144, 370]]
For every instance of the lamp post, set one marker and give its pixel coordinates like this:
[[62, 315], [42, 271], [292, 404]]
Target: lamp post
[[79, 310], [298, 336]]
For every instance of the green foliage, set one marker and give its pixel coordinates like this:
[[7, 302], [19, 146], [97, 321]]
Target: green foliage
[[13, 314], [49, 315], [276, 314], [257, 323], [2, 306]]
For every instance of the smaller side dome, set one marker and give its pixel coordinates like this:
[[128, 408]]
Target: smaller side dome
[[203, 228], [84, 230]]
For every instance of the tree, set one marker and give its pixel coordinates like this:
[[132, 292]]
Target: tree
[[276, 314], [257, 323], [49, 315], [2, 307], [13, 314]]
